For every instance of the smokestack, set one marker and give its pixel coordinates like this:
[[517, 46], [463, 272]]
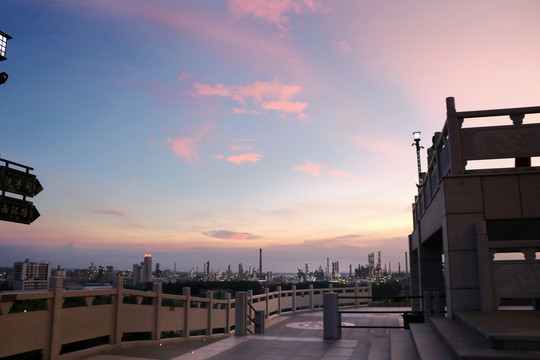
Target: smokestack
[[260, 264]]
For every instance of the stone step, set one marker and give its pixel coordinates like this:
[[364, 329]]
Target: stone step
[[465, 344], [379, 349], [402, 345], [428, 344]]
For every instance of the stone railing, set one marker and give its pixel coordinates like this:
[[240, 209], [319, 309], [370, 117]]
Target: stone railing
[[454, 146], [58, 321]]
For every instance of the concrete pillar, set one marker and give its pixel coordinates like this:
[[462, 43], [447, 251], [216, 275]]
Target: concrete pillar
[[485, 281], [210, 297], [436, 304], [156, 287], [356, 302], [331, 317], [186, 291], [55, 286], [311, 305], [293, 288], [240, 315], [427, 306]]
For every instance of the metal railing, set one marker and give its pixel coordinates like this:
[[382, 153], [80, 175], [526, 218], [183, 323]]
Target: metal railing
[[430, 304]]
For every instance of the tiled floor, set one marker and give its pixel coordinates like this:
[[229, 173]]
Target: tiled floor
[[295, 336]]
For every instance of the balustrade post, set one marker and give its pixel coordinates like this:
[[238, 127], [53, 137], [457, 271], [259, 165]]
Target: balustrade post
[[156, 287], [228, 320], [240, 313], [267, 293], [210, 297], [331, 317], [55, 285], [356, 300], [293, 288], [311, 304], [119, 284], [186, 291], [279, 300], [249, 300]]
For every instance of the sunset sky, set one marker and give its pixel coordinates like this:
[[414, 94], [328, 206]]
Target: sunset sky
[[205, 130]]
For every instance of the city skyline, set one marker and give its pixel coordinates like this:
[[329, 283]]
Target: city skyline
[[203, 131]]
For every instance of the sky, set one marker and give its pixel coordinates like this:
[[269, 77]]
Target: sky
[[205, 130]]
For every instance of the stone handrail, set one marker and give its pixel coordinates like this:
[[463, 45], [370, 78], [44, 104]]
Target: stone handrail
[[119, 317], [454, 145]]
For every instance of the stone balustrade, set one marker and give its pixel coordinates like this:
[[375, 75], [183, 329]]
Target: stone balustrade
[[62, 320]]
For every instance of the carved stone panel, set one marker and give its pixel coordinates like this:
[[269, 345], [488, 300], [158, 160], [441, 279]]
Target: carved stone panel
[[500, 142]]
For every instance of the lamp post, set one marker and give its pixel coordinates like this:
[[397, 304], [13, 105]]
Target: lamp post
[[416, 137], [3, 44]]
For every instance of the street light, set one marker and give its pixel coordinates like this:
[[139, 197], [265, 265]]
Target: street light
[[416, 137], [3, 44]]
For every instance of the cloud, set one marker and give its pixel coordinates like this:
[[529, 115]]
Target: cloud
[[135, 180], [258, 96], [241, 147], [183, 76], [243, 158], [186, 147], [272, 12], [252, 139], [230, 235], [310, 168], [114, 212], [313, 169], [342, 45]]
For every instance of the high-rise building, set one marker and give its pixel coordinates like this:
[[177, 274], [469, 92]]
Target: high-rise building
[[31, 275], [142, 273]]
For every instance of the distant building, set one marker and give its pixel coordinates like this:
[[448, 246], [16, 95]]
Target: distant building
[[142, 273], [31, 275]]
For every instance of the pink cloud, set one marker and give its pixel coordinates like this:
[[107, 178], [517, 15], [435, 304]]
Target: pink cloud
[[342, 45], [230, 235], [244, 158], [219, 157], [259, 95], [114, 212], [272, 12], [241, 147], [183, 76], [313, 169], [186, 147], [135, 180], [310, 168], [252, 139]]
